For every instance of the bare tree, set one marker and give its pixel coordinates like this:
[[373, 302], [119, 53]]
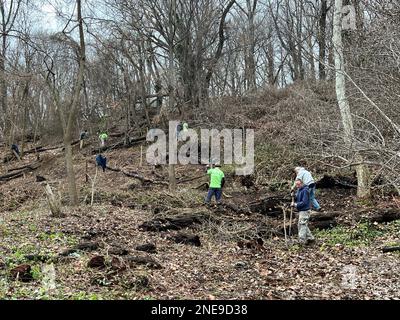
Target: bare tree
[[69, 111], [363, 190], [8, 13]]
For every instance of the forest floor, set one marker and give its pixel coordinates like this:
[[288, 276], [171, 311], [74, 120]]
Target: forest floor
[[237, 255]]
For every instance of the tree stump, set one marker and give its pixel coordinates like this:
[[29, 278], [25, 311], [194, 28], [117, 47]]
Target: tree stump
[[97, 262], [54, 203], [22, 272]]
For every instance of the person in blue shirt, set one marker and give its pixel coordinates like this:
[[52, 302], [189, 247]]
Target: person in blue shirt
[[305, 176], [302, 204], [15, 148], [101, 162]]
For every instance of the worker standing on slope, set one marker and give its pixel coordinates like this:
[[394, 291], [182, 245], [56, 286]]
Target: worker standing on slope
[[84, 135], [302, 204], [101, 162], [217, 181], [103, 137], [182, 130], [307, 179], [15, 150]]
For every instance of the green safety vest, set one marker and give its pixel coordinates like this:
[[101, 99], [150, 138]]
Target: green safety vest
[[216, 177], [103, 136]]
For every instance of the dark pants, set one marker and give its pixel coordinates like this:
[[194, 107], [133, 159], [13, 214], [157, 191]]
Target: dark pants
[[214, 191], [15, 148]]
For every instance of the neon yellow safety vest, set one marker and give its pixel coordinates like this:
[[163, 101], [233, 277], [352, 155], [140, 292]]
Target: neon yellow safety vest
[[216, 177]]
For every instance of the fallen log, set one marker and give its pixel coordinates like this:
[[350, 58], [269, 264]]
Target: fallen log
[[323, 225], [190, 179], [387, 215], [324, 216], [165, 224], [203, 186], [28, 166], [270, 206], [236, 209], [20, 172], [118, 134], [391, 249], [113, 169], [11, 176], [144, 181], [343, 182], [119, 145], [35, 150], [12, 156]]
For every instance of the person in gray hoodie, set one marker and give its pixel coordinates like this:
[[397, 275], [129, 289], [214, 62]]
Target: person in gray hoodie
[[307, 179]]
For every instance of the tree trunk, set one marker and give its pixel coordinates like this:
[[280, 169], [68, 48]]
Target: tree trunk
[[218, 53], [8, 17], [322, 39], [73, 194], [3, 82], [271, 64], [363, 189], [250, 64], [72, 112], [54, 203], [311, 60], [172, 82], [363, 178]]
